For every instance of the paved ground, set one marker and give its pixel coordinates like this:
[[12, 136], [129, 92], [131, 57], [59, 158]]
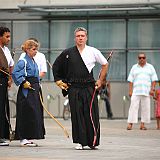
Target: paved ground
[[116, 144]]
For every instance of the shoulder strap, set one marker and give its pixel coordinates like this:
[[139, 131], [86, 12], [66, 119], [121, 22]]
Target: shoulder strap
[[25, 65]]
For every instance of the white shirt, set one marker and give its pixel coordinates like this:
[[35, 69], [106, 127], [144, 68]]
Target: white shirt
[[8, 56], [91, 55], [39, 59], [141, 77]]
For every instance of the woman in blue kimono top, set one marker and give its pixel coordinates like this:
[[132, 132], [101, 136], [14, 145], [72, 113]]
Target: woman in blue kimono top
[[29, 118]]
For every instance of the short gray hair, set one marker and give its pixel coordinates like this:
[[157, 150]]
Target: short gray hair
[[80, 29]]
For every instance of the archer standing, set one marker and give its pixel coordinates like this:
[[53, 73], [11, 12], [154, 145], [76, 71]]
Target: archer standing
[[29, 118], [142, 80], [6, 67], [73, 73]]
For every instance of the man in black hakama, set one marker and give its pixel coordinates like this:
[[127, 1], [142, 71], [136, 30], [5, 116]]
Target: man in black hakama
[[72, 75]]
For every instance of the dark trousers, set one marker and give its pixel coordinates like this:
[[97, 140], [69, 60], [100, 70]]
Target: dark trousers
[[108, 108]]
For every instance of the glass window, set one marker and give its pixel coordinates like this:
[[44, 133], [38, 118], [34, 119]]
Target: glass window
[[107, 33], [103, 34], [143, 34], [117, 66], [62, 33], [23, 30]]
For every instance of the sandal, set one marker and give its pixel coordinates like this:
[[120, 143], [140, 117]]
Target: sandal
[[143, 128], [29, 144], [129, 127]]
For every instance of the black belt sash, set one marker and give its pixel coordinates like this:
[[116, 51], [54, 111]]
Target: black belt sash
[[32, 80]]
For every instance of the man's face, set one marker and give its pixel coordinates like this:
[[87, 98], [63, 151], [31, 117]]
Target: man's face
[[5, 38], [142, 59], [80, 38]]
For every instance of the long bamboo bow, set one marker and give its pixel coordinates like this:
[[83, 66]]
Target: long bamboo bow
[[65, 131]]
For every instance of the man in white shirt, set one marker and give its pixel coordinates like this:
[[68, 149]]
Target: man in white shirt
[[6, 67], [142, 80]]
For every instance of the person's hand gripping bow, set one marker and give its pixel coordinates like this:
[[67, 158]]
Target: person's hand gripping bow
[[62, 85], [27, 85]]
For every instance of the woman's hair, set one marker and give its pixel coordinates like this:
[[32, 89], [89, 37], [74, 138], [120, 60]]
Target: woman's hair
[[34, 39], [28, 44]]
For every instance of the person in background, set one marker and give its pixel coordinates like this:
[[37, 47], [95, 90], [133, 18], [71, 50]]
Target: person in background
[[40, 59], [157, 109], [29, 118], [73, 73], [6, 67], [142, 80], [105, 94]]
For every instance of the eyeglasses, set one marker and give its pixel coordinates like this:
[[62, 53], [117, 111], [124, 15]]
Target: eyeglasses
[[141, 57]]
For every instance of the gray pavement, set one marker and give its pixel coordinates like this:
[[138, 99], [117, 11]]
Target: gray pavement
[[116, 144]]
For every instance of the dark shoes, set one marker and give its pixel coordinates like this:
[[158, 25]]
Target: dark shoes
[[110, 116]]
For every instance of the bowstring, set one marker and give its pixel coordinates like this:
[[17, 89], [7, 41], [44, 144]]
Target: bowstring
[[96, 131]]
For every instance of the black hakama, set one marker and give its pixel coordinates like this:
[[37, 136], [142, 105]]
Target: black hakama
[[70, 68], [82, 125], [4, 107], [29, 119]]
